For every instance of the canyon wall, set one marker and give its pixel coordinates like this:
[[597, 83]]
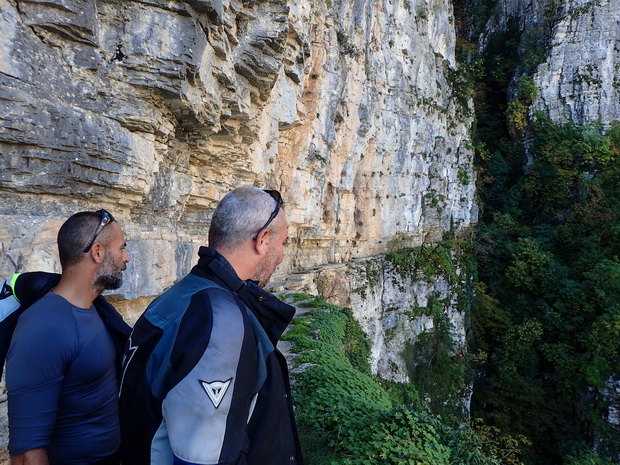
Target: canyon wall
[[577, 42], [353, 109], [155, 109], [580, 77]]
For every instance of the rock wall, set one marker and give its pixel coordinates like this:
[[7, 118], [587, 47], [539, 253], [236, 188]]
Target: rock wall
[[578, 75], [155, 109], [393, 304]]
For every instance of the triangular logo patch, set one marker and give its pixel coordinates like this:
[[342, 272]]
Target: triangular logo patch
[[6, 291], [216, 390]]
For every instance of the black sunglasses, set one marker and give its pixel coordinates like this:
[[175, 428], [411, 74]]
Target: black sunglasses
[[275, 195], [106, 217]]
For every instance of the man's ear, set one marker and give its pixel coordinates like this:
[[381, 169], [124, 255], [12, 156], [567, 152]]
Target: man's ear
[[97, 253], [261, 244]]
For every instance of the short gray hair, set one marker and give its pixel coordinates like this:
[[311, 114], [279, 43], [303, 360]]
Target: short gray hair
[[239, 216]]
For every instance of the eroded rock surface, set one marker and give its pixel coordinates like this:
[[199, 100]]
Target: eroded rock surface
[[156, 109]]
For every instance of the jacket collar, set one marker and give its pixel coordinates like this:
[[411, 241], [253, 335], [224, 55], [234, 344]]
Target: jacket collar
[[273, 314], [218, 269]]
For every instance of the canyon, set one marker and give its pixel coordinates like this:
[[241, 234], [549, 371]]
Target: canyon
[[354, 110]]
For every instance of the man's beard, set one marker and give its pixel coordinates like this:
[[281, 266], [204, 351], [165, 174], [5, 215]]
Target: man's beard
[[108, 277], [265, 269]]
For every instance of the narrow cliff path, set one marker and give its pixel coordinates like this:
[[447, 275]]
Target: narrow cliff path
[[286, 346]]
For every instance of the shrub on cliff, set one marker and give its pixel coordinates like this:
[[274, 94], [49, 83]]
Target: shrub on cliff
[[346, 416]]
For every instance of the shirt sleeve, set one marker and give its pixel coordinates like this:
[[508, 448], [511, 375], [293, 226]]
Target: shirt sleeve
[[206, 413], [36, 361]]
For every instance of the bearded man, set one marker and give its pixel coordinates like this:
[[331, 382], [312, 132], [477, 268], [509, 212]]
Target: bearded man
[[61, 365], [203, 381]]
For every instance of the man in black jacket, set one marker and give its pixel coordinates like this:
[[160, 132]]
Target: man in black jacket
[[203, 382]]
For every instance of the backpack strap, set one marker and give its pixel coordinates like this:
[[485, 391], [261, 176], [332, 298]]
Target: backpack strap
[[9, 302], [18, 293]]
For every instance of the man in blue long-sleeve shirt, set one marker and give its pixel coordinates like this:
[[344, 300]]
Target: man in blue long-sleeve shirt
[[61, 371]]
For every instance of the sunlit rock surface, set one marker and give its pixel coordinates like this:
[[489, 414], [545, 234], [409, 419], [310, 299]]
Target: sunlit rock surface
[[154, 110]]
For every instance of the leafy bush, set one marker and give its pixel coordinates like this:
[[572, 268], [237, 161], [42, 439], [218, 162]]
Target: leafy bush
[[346, 416], [438, 370], [583, 456], [399, 436]]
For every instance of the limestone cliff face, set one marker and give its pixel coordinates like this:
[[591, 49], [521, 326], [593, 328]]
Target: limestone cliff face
[[578, 75], [579, 79], [155, 109]]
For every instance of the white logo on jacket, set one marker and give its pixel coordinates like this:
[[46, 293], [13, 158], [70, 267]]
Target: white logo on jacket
[[216, 390]]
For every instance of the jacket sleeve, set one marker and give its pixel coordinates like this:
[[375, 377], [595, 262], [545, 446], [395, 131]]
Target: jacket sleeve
[[206, 413]]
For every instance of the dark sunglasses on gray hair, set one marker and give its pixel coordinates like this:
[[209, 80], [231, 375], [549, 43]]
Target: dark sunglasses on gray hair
[[275, 195], [106, 217]]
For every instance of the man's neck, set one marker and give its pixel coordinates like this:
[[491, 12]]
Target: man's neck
[[240, 262], [76, 292]]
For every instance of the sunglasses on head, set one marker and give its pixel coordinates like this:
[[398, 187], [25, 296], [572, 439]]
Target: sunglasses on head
[[275, 195], [106, 217]]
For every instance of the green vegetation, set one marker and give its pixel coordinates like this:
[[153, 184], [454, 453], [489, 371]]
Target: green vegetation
[[518, 109], [347, 416], [450, 259], [346, 47], [544, 336], [546, 323], [438, 369]]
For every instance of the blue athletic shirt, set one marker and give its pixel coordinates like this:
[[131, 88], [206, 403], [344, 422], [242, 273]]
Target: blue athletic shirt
[[62, 383]]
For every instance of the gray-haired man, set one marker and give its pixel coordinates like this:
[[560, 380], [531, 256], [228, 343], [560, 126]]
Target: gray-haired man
[[203, 381]]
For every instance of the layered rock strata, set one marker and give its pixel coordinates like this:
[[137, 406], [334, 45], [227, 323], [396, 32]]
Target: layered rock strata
[[155, 109]]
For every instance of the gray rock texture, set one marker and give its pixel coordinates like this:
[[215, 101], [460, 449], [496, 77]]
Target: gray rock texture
[[578, 75], [156, 109], [580, 78]]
